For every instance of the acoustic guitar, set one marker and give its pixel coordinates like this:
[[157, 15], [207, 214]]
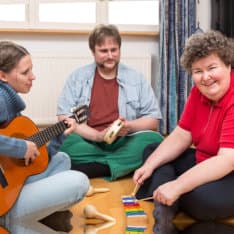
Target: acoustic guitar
[[3, 230], [13, 171]]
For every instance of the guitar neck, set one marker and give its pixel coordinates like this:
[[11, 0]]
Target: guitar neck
[[45, 135], [40, 138]]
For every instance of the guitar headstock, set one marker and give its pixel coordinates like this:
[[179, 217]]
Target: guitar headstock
[[80, 113]]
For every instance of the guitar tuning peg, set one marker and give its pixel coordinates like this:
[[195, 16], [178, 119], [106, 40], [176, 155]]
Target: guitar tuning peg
[[83, 108], [83, 118], [74, 109], [80, 113]]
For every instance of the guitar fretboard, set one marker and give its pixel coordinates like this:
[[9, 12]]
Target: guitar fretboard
[[42, 137], [45, 135]]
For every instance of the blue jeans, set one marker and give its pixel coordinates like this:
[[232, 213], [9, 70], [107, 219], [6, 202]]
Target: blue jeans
[[57, 188]]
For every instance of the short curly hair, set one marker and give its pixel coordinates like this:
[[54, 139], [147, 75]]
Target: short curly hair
[[101, 32], [200, 45]]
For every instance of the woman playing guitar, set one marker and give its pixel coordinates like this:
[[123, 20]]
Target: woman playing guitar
[[31, 183]]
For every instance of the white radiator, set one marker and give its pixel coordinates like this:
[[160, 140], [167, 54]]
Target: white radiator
[[51, 72]]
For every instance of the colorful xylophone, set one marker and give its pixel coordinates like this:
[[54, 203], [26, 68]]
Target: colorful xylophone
[[136, 217]]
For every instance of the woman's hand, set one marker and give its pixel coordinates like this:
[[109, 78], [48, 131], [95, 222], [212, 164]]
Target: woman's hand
[[31, 153], [142, 173], [167, 193], [71, 125]]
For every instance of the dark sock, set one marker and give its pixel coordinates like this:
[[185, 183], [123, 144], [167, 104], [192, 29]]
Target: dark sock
[[164, 216], [58, 221], [92, 170]]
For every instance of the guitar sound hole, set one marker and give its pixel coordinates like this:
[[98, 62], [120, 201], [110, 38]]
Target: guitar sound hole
[[20, 162], [18, 135]]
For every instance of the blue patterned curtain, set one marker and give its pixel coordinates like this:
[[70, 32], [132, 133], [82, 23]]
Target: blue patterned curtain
[[177, 23]]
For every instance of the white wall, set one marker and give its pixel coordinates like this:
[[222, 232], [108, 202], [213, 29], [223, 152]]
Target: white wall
[[76, 45], [37, 43]]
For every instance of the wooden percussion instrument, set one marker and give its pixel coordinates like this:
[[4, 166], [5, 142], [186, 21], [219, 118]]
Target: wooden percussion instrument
[[113, 131], [91, 212], [93, 190], [136, 217]]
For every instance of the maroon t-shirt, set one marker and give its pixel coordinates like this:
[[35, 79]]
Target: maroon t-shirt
[[103, 103]]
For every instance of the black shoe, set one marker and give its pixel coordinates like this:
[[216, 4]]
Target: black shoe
[[59, 221]]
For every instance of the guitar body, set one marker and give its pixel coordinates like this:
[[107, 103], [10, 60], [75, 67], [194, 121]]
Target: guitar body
[[4, 230], [14, 170]]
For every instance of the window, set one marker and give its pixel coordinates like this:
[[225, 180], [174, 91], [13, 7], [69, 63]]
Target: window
[[119, 12], [12, 12], [73, 12], [130, 15]]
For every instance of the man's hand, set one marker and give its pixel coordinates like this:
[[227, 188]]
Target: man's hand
[[125, 128]]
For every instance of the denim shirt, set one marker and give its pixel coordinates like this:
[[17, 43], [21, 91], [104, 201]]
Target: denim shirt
[[136, 97], [10, 106], [12, 147]]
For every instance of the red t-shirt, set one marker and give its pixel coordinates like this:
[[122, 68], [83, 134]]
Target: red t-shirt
[[211, 125], [104, 102]]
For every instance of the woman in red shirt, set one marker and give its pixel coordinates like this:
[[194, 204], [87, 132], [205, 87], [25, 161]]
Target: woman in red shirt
[[197, 180]]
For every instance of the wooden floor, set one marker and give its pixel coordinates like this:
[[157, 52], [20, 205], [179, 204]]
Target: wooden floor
[[108, 203]]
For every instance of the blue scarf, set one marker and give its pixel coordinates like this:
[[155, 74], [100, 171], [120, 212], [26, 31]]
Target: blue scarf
[[14, 104]]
